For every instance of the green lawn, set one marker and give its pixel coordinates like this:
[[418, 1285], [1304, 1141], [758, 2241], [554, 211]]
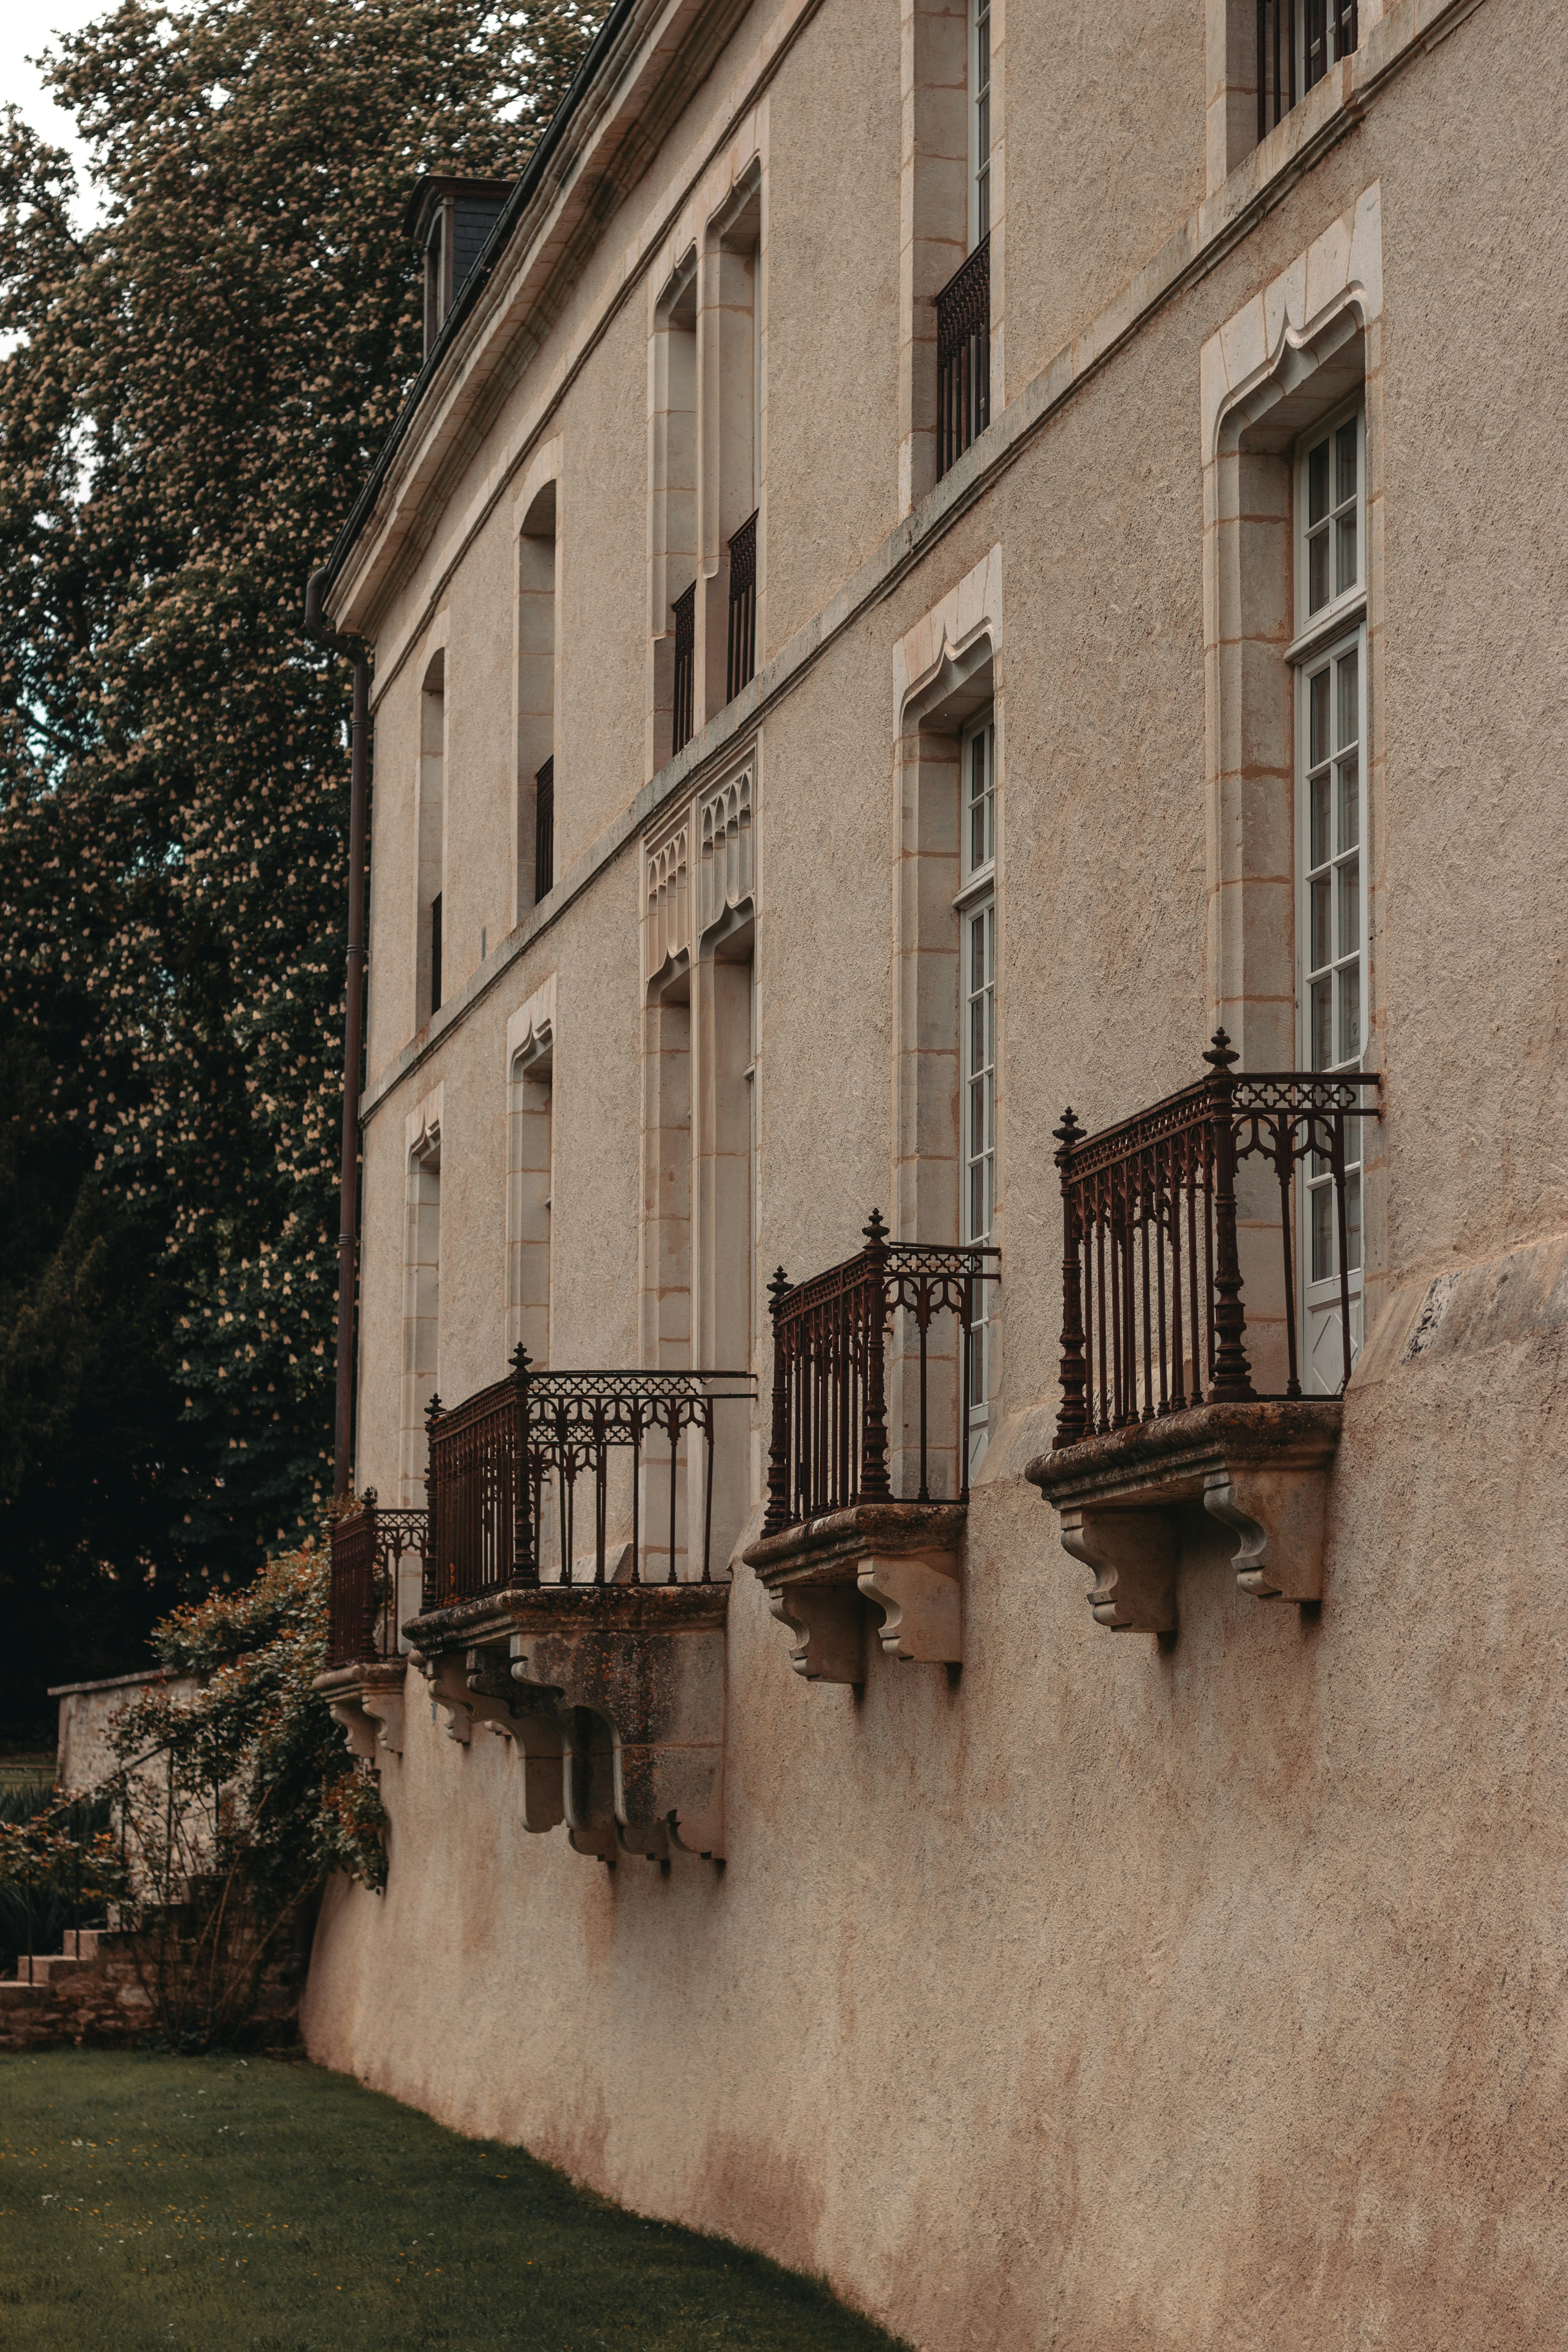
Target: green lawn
[[264, 2206]]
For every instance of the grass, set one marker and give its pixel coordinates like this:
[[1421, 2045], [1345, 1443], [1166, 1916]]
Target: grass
[[269, 2206]]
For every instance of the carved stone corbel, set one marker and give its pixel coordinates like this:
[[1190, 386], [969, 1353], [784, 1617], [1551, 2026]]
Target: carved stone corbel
[[921, 1601], [904, 1557], [612, 1696], [365, 1700], [1260, 1469], [1133, 1557], [501, 1705], [655, 1700], [827, 1630], [1279, 1515], [355, 1726]]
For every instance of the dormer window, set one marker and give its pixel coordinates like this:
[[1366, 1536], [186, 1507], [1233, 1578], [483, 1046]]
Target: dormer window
[[452, 219]]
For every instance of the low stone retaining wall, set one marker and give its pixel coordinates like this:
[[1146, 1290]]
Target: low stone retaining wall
[[101, 1987]]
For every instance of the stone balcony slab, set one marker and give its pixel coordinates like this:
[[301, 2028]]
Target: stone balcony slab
[[1260, 1468], [611, 1697], [366, 1699], [903, 1557]]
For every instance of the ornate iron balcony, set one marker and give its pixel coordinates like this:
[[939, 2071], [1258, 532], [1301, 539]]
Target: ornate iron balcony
[[685, 610], [1152, 1318], [368, 1547], [963, 357], [740, 649], [626, 1457]]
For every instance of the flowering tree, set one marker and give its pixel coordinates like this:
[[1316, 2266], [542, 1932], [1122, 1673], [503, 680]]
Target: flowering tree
[[191, 392]]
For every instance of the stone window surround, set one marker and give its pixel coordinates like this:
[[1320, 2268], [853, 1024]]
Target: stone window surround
[[536, 659], [421, 1288], [1283, 363], [1290, 356], [430, 782], [530, 1075], [1330, 113], [700, 891], [934, 175], [1230, 110], [946, 668], [698, 255]]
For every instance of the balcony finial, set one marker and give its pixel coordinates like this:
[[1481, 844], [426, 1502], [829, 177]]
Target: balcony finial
[[519, 1359], [874, 1230], [368, 1498], [433, 1411], [778, 1290], [1220, 1052], [1068, 1135]]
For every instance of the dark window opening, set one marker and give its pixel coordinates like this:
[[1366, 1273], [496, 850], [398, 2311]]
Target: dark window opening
[[963, 357], [544, 831], [685, 610], [436, 955], [741, 650]]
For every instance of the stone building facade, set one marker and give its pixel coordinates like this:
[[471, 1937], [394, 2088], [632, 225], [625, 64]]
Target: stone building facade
[[820, 731]]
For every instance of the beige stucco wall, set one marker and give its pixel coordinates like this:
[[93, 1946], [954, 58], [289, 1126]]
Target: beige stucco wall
[[1095, 1994]]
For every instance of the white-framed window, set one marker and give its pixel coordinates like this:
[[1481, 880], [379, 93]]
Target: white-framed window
[[979, 78], [1330, 655], [977, 1048]]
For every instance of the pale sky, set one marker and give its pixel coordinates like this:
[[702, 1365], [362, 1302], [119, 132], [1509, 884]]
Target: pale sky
[[26, 26]]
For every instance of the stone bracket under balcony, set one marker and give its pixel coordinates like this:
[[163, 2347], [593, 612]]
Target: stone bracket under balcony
[[1260, 1469], [904, 1557], [612, 1699], [366, 1701]]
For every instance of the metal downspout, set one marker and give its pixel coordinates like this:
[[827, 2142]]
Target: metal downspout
[[355, 649]]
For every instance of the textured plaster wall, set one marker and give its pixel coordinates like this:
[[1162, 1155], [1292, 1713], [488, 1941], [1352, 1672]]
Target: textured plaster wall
[[1102, 112], [1095, 1994]]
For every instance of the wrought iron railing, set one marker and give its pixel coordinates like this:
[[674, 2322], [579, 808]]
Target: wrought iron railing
[[740, 648], [1297, 41], [544, 830], [963, 357], [368, 1547], [633, 1451], [830, 1443], [1154, 1236], [685, 610]]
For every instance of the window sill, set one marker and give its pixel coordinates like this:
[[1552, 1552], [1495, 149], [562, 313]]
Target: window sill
[[1320, 632]]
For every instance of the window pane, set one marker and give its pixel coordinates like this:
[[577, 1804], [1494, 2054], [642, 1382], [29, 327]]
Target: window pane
[[1350, 1013], [1322, 1032], [1345, 557], [1317, 723], [1349, 909], [1349, 700], [1353, 1222], [1319, 820], [1345, 462], [1322, 1233], [1322, 950], [1318, 483], [1350, 803], [1318, 571]]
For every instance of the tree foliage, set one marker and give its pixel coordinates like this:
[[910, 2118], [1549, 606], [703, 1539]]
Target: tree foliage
[[191, 393]]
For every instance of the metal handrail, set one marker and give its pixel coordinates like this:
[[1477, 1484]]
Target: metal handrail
[[497, 1458], [1152, 1318], [829, 1440]]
